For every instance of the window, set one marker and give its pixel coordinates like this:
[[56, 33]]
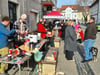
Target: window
[[49, 8]]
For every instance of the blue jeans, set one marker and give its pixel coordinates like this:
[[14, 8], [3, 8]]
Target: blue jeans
[[88, 44]]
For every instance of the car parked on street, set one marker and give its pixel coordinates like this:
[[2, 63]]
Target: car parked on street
[[98, 26]]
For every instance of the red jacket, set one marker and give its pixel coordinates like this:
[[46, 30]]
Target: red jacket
[[81, 34], [42, 30]]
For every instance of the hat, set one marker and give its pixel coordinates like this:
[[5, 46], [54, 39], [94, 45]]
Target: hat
[[23, 16]]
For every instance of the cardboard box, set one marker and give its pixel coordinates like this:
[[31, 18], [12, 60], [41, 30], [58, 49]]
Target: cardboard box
[[3, 52], [48, 69], [49, 64], [3, 67]]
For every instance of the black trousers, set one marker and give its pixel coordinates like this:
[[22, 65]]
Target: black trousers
[[69, 55], [79, 41], [51, 41]]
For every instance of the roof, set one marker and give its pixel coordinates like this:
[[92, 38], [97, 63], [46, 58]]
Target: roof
[[47, 3], [74, 7]]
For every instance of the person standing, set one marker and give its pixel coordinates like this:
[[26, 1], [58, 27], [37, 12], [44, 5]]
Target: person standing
[[89, 39], [42, 29], [4, 34], [80, 35], [70, 44], [63, 26], [21, 26], [76, 27], [45, 23]]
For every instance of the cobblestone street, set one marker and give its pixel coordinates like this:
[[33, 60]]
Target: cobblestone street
[[76, 67]]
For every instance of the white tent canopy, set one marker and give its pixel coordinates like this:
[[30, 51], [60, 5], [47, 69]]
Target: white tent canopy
[[54, 15]]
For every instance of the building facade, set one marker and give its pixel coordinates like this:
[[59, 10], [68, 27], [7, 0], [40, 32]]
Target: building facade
[[69, 13], [73, 12], [48, 6], [15, 8], [95, 10]]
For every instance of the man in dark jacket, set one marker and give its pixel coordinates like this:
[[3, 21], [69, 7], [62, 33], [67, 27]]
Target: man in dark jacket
[[90, 38]]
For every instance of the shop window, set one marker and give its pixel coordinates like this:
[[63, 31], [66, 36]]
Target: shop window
[[49, 8]]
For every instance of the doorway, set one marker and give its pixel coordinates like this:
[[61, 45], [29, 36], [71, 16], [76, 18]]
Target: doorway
[[12, 13]]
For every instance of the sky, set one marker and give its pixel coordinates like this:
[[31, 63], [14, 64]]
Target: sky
[[65, 2]]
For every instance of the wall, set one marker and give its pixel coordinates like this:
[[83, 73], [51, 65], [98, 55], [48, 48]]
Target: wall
[[99, 12], [23, 6], [94, 11], [4, 7], [0, 10]]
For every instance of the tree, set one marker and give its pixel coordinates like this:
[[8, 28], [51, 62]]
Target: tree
[[85, 8]]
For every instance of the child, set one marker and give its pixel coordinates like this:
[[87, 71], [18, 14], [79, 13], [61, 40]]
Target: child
[[76, 27], [80, 35]]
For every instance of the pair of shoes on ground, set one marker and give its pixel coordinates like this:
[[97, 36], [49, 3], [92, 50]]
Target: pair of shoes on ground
[[86, 60], [71, 59]]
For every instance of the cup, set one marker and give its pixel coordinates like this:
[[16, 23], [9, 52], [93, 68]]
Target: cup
[[53, 52], [10, 51], [16, 51], [55, 58], [24, 51]]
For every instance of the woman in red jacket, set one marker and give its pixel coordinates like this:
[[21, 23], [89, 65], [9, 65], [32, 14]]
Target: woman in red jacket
[[80, 34], [42, 29]]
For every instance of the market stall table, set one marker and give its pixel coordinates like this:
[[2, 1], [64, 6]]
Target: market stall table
[[37, 47], [15, 60], [19, 60]]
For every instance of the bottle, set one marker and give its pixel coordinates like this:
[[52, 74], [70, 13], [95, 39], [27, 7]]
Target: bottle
[[31, 45], [26, 43]]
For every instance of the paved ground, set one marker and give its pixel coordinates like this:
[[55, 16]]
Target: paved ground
[[75, 67], [95, 66], [68, 67], [78, 68]]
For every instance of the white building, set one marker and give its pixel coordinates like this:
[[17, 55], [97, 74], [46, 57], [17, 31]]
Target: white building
[[69, 13], [74, 12]]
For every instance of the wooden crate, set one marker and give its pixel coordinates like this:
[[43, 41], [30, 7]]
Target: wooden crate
[[49, 66], [48, 69]]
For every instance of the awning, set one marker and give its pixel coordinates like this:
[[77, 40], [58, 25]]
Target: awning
[[47, 4], [54, 15]]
